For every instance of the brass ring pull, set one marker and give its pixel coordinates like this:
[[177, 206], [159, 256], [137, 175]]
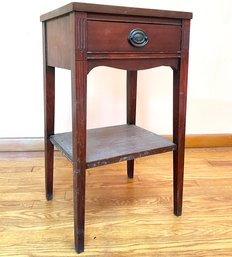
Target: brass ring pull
[[138, 38]]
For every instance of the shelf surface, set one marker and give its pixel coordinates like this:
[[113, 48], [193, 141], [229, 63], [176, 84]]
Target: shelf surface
[[115, 144]]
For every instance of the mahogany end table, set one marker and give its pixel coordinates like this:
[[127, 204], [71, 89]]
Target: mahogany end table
[[80, 37]]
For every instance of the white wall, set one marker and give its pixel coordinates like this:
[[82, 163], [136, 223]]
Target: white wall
[[210, 80]]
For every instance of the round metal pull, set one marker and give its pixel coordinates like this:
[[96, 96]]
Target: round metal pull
[[138, 38]]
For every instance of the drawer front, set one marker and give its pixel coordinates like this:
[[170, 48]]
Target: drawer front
[[133, 37]]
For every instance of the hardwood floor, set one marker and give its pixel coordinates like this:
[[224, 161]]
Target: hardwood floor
[[123, 217]]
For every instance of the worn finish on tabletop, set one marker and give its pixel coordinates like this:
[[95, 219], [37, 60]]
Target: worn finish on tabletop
[[83, 36], [118, 10], [128, 142]]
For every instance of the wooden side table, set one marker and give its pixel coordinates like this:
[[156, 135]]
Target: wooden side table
[[82, 36]]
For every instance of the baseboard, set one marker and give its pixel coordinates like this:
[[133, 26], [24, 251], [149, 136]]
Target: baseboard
[[21, 144], [207, 140], [210, 140], [37, 144]]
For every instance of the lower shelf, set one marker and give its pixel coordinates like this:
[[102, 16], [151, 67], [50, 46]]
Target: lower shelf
[[115, 144]]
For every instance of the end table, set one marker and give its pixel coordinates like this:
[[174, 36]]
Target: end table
[[80, 37]]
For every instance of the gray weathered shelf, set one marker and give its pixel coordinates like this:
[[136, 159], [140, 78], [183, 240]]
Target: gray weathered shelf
[[114, 144]]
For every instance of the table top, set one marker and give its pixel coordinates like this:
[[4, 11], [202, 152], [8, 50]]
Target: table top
[[117, 10]]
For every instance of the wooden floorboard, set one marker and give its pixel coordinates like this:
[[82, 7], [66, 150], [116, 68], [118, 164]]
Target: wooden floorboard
[[123, 217]]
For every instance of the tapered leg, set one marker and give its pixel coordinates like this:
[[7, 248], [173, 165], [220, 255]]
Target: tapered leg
[[179, 107], [180, 78], [49, 98], [79, 78], [131, 110], [130, 168], [49, 111]]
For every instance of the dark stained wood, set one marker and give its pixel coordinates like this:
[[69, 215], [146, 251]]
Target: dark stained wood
[[134, 65], [150, 56], [113, 37], [58, 42], [114, 144], [79, 102], [49, 112], [131, 110], [82, 36], [131, 96], [179, 119], [132, 19], [108, 9]]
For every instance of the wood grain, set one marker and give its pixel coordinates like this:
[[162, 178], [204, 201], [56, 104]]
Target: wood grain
[[117, 10], [123, 217], [114, 144], [59, 42], [113, 37]]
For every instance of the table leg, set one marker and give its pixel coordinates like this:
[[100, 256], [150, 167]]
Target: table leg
[[49, 98], [131, 110], [179, 140], [79, 95], [49, 113], [180, 78]]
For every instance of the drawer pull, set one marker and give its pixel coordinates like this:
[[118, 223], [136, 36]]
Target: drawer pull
[[138, 38]]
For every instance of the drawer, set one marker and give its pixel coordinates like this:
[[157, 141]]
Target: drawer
[[133, 37]]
